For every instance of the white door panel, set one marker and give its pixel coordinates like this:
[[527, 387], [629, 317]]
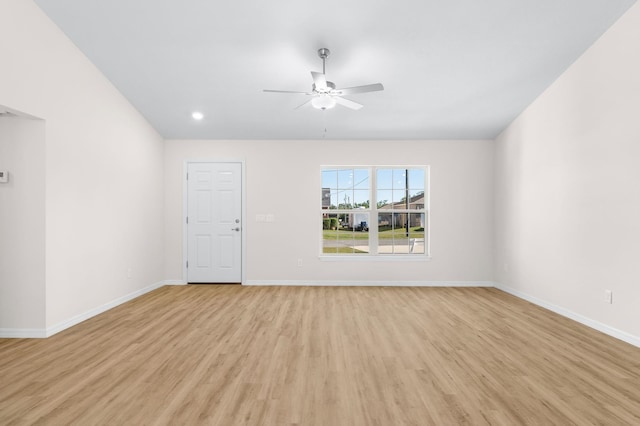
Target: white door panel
[[214, 229]]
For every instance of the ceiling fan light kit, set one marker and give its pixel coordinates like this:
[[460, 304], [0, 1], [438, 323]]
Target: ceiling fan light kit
[[325, 95], [323, 102]]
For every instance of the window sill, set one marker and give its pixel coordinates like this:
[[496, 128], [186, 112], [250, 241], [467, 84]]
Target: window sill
[[375, 258]]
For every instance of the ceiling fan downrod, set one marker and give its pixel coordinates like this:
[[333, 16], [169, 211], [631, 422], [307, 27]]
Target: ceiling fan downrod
[[323, 52]]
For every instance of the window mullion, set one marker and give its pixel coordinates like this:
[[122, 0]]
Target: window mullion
[[373, 206]]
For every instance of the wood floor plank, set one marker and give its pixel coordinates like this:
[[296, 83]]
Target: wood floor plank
[[227, 355]]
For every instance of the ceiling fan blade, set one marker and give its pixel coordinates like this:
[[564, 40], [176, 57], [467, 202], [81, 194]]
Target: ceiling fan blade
[[286, 91], [320, 81], [347, 103], [359, 89]]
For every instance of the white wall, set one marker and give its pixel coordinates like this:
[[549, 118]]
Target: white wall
[[283, 178], [103, 168], [567, 188], [22, 231], [566, 195]]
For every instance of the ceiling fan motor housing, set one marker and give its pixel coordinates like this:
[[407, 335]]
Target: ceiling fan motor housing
[[330, 87]]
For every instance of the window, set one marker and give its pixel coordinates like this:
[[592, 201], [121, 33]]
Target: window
[[374, 211]]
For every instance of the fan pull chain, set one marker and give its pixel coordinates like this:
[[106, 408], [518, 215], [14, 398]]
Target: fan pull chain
[[324, 122]]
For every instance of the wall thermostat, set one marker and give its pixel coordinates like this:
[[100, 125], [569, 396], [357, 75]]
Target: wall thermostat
[[4, 176]]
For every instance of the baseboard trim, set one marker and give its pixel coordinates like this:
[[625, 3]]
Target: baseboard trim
[[611, 331], [100, 309], [23, 333], [304, 283], [173, 282]]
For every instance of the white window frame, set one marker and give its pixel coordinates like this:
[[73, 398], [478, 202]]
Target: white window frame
[[373, 212]]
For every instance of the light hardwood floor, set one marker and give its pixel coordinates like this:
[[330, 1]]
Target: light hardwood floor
[[231, 355]]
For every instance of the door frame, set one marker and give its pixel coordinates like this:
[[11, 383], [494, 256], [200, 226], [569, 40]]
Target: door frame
[[185, 211]]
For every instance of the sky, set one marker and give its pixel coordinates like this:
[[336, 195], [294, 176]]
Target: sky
[[352, 185]]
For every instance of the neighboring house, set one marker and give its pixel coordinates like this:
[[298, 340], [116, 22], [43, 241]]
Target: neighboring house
[[326, 198], [357, 221], [399, 219]]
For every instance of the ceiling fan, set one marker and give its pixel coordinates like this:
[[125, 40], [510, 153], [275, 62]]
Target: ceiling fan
[[324, 94]]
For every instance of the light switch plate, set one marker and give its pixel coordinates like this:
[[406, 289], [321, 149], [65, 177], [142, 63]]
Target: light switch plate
[[4, 176]]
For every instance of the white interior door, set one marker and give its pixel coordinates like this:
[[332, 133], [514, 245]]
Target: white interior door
[[214, 228]]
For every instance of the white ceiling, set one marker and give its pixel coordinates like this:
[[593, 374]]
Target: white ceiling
[[452, 69]]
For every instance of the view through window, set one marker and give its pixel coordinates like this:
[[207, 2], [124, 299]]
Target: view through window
[[374, 210]]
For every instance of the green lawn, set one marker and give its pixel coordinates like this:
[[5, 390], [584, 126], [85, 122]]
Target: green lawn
[[416, 232], [341, 250]]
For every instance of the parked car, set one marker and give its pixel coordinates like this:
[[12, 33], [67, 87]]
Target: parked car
[[363, 226]]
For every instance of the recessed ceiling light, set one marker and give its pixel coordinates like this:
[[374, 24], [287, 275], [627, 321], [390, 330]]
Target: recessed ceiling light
[[197, 115]]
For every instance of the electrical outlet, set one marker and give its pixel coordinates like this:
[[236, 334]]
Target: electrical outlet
[[300, 263], [608, 296]]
